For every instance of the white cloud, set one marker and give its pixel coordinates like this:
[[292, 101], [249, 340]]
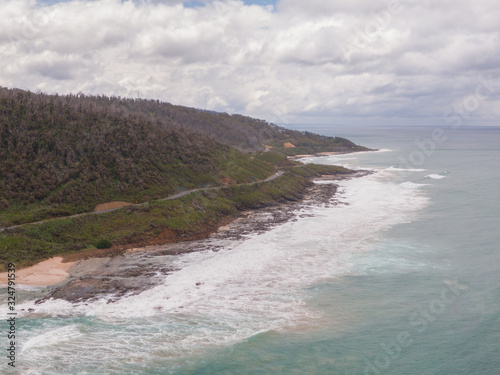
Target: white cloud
[[303, 60]]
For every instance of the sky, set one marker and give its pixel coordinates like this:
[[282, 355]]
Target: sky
[[357, 62]]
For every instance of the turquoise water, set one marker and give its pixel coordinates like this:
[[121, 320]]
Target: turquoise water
[[399, 277]]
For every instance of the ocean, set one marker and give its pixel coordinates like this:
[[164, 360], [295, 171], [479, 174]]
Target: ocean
[[399, 275]]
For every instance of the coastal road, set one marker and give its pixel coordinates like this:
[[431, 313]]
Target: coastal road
[[175, 196], [276, 175]]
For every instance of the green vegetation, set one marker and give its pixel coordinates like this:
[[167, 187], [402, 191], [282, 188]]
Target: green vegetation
[[276, 158], [192, 215], [64, 155], [103, 244], [241, 132]]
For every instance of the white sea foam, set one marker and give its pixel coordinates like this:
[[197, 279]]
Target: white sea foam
[[342, 160], [29, 288], [258, 285], [369, 152], [392, 168], [53, 337], [435, 176], [411, 185], [349, 160]]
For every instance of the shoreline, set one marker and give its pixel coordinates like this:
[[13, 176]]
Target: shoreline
[[57, 270], [48, 272], [65, 269], [142, 268], [318, 154], [330, 153]]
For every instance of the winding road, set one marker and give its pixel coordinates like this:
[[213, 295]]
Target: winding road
[[175, 196]]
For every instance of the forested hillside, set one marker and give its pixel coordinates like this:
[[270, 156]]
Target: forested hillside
[[62, 155], [244, 133]]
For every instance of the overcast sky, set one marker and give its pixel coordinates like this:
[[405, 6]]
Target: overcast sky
[[417, 62]]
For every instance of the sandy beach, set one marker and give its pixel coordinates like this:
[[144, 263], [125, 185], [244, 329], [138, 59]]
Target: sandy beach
[[48, 272]]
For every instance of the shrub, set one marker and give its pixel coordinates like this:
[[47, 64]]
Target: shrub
[[103, 244]]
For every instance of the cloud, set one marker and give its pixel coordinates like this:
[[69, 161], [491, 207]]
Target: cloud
[[289, 61]]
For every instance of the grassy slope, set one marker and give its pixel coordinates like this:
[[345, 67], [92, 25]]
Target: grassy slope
[[232, 164], [189, 216]]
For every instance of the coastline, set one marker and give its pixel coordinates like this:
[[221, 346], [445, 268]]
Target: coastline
[[69, 270], [49, 272], [330, 153], [138, 268], [318, 154], [59, 269]]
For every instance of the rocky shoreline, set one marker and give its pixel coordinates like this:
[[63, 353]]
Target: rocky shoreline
[[140, 269]]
